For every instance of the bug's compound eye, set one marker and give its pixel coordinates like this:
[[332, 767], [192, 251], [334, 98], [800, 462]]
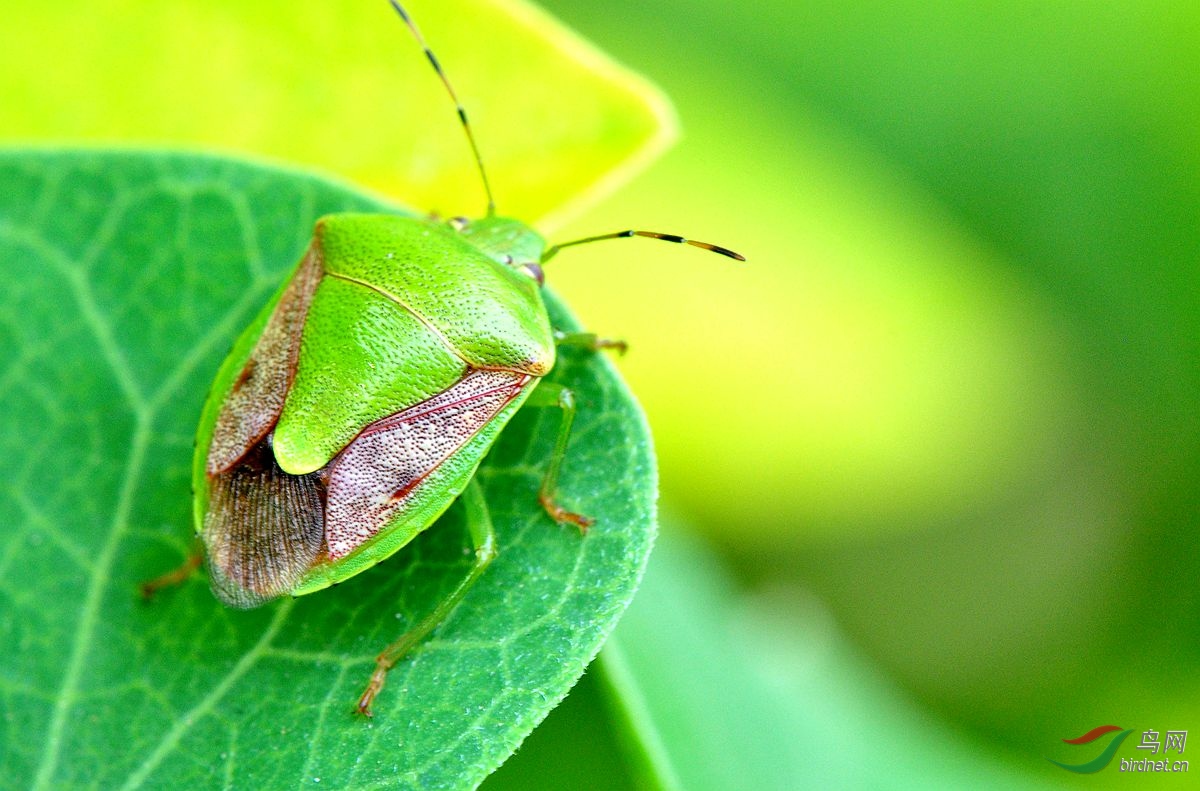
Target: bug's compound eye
[[458, 223], [534, 271]]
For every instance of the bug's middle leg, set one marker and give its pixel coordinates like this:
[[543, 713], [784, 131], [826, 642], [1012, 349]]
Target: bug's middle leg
[[483, 536], [549, 394]]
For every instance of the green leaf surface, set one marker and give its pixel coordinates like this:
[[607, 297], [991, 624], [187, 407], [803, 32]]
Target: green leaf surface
[[126, 277]]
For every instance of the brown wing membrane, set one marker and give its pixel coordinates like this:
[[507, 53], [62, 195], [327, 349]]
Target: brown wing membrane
[[261, 387], [263, 528], [379, 472]]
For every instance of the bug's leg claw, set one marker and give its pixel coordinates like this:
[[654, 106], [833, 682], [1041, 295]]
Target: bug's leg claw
[[619, 346], [173, 577], [562, 516], [373, 688]]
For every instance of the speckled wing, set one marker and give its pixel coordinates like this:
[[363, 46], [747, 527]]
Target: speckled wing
[[378, 478]]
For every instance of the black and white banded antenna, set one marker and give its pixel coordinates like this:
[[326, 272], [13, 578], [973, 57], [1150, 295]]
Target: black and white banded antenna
[[666, 237], [462, 113]]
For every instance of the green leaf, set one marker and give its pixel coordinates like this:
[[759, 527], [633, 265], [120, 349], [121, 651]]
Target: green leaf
[[343, 87], [126, 277]]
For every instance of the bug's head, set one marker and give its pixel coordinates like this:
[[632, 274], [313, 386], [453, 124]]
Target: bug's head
[[506, 241]]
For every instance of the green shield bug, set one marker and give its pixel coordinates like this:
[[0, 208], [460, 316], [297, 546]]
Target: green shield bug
[[359, 403]]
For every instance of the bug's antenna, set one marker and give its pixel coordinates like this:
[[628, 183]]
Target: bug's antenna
[[666, 237], [462, 114]]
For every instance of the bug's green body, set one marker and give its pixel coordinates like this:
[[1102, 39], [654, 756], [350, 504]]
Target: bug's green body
[[357, 406], [383, 316], [406, 307]]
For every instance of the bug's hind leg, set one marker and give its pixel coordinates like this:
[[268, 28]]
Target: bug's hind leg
[[479, 523], [554, 395], [589, 340], [175, 576]]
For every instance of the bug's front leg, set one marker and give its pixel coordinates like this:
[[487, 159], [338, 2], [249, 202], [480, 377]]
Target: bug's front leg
[[549, 394], [589, 340], [483, 536]]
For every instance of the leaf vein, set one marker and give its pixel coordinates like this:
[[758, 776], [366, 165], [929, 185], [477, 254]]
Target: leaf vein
[[90, 611], [185, 721]]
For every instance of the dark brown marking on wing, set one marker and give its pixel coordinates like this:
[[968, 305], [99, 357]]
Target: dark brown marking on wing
[[246, 374], [378, 473], [264, 528], [256, 400]]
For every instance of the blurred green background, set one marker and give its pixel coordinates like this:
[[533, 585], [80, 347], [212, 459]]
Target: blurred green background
[[947, 413], [954, 394]]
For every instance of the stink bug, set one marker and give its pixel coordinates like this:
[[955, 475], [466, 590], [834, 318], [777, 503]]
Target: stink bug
[[358, 405]]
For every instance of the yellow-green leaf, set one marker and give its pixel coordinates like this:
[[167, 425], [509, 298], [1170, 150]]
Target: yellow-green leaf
[[343, 87]]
